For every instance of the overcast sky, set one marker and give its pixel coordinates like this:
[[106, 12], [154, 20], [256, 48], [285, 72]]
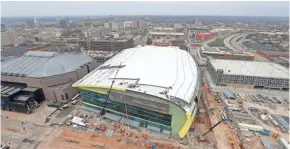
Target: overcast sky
[[22, 8]]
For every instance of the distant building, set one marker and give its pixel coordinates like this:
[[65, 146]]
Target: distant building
[[3, 26], [29, 24], [107, 44], [64, 23], [177, 26], [248, 74], [218, 54], [166, 35], [112, 26], [11, 38], [137, 23], [198, 22], [268, 54], [13, 51], [194, 31], [96, 33], [38, 76], [128, 24]]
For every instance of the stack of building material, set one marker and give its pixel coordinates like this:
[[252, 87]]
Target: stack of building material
[[79, 121], [266, 143], [250, 127]]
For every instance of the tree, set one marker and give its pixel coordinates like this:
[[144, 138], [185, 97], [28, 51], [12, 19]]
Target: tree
[[149, 41]]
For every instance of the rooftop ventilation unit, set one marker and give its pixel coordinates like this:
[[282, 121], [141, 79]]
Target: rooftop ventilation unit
[[132, 86]]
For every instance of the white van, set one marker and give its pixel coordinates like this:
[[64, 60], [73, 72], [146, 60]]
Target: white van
[[74, 102]]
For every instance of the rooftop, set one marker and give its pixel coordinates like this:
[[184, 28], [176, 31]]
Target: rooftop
[[250, 68], [148, 69], [209, 49], [39, 64], [166, 33], [275, 52]]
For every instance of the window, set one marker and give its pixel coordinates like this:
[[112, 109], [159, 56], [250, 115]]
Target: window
[[62, 98], [66, 96]]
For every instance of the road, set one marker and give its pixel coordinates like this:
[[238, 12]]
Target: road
[[232, 43], [228, 42]]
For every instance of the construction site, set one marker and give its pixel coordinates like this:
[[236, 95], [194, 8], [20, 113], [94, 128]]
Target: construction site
[[84, 129], [224, 121]]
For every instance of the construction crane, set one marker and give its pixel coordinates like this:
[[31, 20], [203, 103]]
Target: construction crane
[[108, 95]]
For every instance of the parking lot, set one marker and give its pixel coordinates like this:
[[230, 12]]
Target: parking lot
[[38, 116]]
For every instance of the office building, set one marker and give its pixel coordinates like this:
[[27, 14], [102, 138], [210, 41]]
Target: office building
[[198, 22], [112, 26], [29, 24], [107, 44], [248, 74], [64, 23], [166, 35], [160, 94]]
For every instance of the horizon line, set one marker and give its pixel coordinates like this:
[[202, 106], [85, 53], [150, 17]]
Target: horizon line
[[144, 15]]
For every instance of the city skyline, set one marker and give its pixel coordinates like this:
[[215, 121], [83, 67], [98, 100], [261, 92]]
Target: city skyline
[[77, 8]]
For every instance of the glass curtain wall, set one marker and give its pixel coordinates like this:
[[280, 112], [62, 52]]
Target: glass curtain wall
[[144, 116]]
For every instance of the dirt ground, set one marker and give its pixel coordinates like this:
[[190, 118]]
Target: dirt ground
[[75, 139], [222, 131], [256, 143]]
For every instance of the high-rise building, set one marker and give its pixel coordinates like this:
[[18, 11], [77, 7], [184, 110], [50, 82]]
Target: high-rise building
[[198, 22], [177, 26], [29, 24], [113, 26], [64, 23], [3, 26]]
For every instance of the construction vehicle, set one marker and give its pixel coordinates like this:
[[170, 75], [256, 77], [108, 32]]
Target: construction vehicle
[[275, 135], [212, 111], [232, 143]]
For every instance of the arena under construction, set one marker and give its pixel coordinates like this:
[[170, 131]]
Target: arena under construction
[[153, 87]]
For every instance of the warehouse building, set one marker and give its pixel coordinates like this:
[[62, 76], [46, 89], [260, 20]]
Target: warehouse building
[[280, 60], [221, 54], [160, 94], [38, 76], [268, 54], [248, 74], [166, 35]]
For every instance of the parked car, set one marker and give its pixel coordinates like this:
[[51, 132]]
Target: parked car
[[65, 106]]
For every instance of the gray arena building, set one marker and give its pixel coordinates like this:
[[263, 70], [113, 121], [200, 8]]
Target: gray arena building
[[248, 74], [38, 76]]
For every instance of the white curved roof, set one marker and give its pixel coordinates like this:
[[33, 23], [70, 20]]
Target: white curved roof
[[152, 69], [42, 64]]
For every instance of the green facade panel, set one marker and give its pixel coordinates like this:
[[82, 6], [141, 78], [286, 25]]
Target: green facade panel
[[172, 121]]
